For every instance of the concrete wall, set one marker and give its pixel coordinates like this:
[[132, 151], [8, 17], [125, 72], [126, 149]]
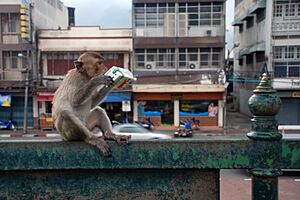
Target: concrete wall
[[244, 97]]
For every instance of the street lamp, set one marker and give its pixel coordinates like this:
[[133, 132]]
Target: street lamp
[[236, 44], [26, 70]]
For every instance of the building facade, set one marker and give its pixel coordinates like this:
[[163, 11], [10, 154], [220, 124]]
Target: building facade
[[178, 59], [57, 51], [20, 20], [268, 34]]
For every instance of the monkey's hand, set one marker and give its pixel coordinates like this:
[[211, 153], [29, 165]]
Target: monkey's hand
[[105, 80], [100, 144], [120, 139]]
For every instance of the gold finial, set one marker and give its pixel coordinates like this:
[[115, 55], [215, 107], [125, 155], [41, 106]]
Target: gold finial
[[264, 85]]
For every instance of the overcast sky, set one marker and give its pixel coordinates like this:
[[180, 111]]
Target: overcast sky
[[117, 14]]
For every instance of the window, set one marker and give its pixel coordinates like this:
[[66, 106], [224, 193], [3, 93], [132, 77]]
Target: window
[[280, 71], [164, 109], [202, 14], [278, 10], [298, 52], [10, 22], [287, 69], [197, 108], [261, 15], [289, 52], [293, 71], [278, 52], [157, 58], [241, 28], [11, 60], [249, 59], [250, 22], [204, 57], [216, 58], [155, 16], [260, 57], [290, 10]]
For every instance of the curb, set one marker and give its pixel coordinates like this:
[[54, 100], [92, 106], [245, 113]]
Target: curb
[[29, 135]]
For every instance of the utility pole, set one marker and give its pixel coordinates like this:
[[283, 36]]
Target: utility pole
[[27, 71], [26, 101]]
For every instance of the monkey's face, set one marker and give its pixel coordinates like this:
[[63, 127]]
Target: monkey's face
[[97, 67]]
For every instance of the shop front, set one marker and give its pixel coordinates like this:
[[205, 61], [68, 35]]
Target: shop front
[[167, 109], [112, 104], [12, 108]]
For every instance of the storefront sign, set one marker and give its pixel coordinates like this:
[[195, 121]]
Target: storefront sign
[[5, 100], [126, 106], [296, 94]]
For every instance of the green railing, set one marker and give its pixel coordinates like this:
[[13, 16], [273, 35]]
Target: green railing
[[164, 169]]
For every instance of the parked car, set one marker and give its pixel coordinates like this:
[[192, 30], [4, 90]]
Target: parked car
[[138, 132]]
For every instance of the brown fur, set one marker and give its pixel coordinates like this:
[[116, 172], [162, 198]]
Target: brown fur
[[75, 109]]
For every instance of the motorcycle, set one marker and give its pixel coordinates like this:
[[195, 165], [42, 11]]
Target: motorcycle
[[183, 130], [10, 125], [148, 125], [196, 124]]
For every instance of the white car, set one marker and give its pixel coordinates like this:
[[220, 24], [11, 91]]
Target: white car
[[137, 132]]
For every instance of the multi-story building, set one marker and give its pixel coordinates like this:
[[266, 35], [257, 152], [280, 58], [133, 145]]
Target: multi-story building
[[57, 51], [178, 59], [268, 33], [20, 19]]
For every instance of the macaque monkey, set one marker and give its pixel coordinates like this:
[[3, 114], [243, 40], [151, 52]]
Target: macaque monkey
[[75, 109]]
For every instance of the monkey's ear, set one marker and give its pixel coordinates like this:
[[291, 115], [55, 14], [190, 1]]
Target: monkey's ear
[[79, 66]]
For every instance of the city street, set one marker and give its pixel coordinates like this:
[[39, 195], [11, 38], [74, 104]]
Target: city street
[[236, 184]]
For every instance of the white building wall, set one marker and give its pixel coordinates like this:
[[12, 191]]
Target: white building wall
[[86, 38], [50, 16]]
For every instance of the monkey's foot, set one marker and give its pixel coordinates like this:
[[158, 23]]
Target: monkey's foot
[[120, 139], [100, 144]]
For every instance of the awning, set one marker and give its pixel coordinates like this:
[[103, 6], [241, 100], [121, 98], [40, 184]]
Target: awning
[[244, 51], [44, 98], [117, 97], [246, 17], [238, 56], [258, 47], [259, 6], [237, 22]]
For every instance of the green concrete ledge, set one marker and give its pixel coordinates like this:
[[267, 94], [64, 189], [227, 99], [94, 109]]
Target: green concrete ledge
[[52, 154]]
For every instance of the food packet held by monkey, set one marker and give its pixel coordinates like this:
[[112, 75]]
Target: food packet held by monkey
[[120, 76], [76, 113]]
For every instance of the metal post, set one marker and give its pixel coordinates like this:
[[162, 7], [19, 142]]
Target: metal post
[[26, 101], [264, 105]]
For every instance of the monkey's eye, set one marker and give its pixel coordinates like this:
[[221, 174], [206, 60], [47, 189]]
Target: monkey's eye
[[100, 62]]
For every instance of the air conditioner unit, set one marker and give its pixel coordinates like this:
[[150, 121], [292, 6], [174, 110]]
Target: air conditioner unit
[[193, 65], [208, 32], [149, 65]]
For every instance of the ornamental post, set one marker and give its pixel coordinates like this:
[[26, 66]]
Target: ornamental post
[[264, 104]]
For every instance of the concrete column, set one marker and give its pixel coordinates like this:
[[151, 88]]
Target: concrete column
[[220, 113], [35, 107], [135, 111], [176, 112]]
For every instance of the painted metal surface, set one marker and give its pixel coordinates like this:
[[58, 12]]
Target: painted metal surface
[[264, 104], [111, 184], [162, 154]]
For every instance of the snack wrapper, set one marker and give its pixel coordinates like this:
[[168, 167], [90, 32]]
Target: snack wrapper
[[120, 76]]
